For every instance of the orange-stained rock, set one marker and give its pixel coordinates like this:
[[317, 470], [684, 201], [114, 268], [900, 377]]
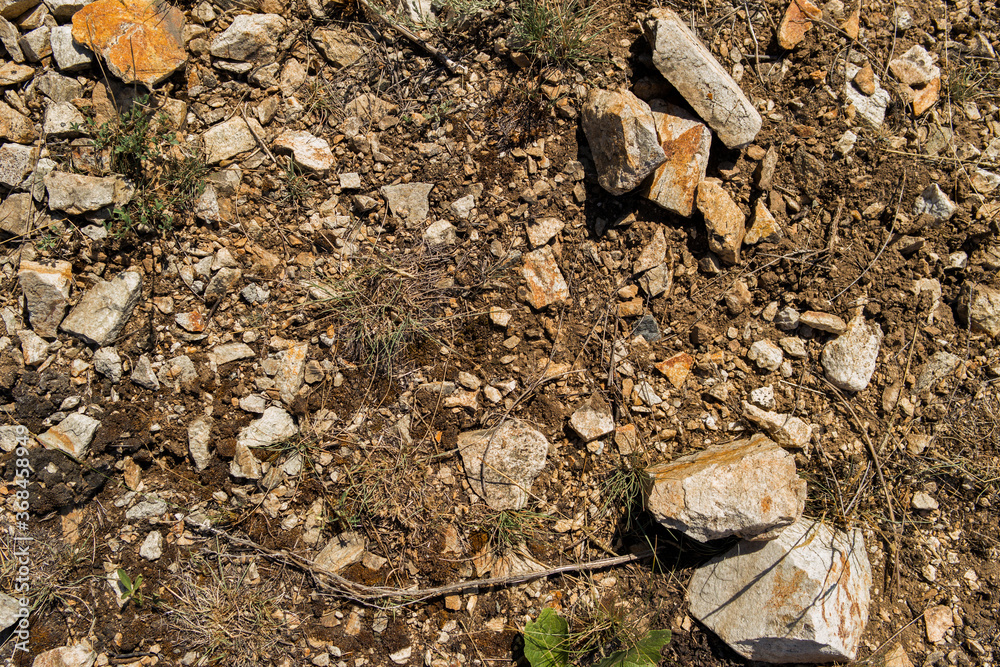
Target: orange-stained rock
[[140, 40], [852, 26], [676, 368], [544, 279], [686, 143], [724, 221], [796, 22], [763, 225]]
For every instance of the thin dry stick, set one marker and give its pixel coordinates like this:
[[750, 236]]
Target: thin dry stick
[[369, 594], [438, 55], [831, 242]]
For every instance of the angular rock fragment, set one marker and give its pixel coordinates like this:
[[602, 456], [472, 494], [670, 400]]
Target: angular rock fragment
[[978, 308], [17, 214], [178, 373], [689, 66], [871, 108], [62, 120], [230, 352], [46, 292], [16, 162], [139, 40], [823, 322], [545, 281], [786, 430], [748, 488], [593, 419], [849, 360], [228, 139], [920, 77], [244, 463], [409, 200], [441, 232], [222, 284], [274, 426], [763, 226], [108, 363], [77, 194], [34, 348], [309, 151], [935, 203], [199, 441], [74, 655], [292, 372], [621, 133], [544, 230], [802, 597], [676, 368], [724, 221], [15, 126], [653, 254], [343, 550], [11, 9], [105, 309], [72, 435], [340, 47], [250, 37], [685, 142], [69, 55], [796, 21], [501, 463]]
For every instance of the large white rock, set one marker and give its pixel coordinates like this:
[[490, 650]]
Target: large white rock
[[593, 419], [543, 278], [309, 151], [105, 309], [787, 430], [747, 488], [697, 75], [802, 597], [341, 551], [849, 360], [76, 655], [230, 138], [621, 133], [501, 463], [77, 194], [409, 200]]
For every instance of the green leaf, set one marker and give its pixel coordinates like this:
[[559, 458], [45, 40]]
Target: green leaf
[[545, 640], [125, 579], [646, 652]]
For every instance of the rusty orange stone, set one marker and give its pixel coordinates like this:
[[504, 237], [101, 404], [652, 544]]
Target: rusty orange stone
[[676, 368], [796, 22], [140, 40]]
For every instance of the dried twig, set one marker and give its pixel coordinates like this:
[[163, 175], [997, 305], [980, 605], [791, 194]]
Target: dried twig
[[371, 594], [437, 54]]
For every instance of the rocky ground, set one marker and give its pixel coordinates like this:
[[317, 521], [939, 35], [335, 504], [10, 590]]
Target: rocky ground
[[358, 307]]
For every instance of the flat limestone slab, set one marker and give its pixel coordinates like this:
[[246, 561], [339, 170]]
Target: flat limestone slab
[[802, 597], [697, 75]]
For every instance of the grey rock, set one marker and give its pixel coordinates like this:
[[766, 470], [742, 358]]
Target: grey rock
[[244, 463], [657, 280], [152, 547], [800, 598], [143, 375], [418, 11], [787, 319], [849, 360], [461, 207], [748, 488], [689, 66], [763, 397], [16, 162], [9, 38], [250, 37], [543, 230], [178, 373], [11, 9], [36, 44], [935, 203], [501, 463], [621, 132], [34, 182], [441, 232], [9, 611], [793, 347], [408, 200], [290, 376], [647, 328], [206, 207], [108, 363], [254, 293], [64, 9], [222, 283], [17, 214], [34, 348], [199, 442], [105, 309], [978, 308], [151, 506], [72, 435], [46, 293], [75, 655], [653, 254], [229, 139], [939, 366], [340, 47], [923, 502], [230, 352], [62, 120], [274, 426], [69, 56], [76, 194], [593, 419]]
